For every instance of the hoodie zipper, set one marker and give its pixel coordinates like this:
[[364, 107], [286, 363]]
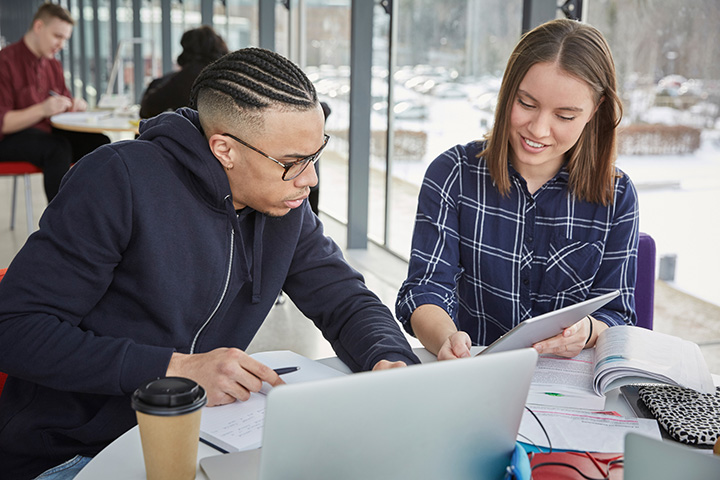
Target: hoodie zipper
[[222, 297]]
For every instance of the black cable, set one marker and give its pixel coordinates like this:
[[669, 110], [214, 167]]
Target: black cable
[[560, 464], [543, 428], [610, 464]]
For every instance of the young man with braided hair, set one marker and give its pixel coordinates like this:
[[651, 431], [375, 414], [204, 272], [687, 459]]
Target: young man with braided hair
[[163, 255]]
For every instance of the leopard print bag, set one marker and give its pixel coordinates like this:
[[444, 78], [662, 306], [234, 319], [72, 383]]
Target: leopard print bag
[[688, 416]]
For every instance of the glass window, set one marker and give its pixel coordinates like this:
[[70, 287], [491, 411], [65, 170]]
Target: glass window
[[449, 62], [185, 15], [236, 22], [379, 125], [327, 63], [283, 24], [669, 77]]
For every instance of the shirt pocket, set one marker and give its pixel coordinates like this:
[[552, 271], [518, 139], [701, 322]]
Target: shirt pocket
[[571, 266]]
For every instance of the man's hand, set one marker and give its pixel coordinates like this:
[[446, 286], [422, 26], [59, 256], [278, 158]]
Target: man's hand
[[386, 364], [55, 104], [457, 345], [226, 374], [78, 105]]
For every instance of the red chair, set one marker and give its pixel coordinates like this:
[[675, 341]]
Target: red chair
[[3, 376], [16, 169]]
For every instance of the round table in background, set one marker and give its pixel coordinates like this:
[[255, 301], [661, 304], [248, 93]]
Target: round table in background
[[118, 126]]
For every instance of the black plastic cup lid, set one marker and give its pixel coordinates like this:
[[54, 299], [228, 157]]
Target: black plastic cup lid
[[169, 396]]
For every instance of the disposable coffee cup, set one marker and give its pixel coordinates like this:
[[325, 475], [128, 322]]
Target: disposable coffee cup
[[168, 413]]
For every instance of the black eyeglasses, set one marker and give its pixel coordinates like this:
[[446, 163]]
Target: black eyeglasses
[[292, 169]]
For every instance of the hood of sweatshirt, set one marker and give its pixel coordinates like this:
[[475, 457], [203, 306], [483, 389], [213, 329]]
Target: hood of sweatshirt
[[181, 136]]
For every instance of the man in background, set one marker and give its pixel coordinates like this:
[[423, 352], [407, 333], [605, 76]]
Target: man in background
[[32, 89]]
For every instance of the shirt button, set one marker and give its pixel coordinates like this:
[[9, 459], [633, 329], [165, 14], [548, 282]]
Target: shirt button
[[525, 281]]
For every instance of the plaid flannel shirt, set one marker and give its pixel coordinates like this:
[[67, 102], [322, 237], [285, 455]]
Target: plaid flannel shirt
[[492, 261]]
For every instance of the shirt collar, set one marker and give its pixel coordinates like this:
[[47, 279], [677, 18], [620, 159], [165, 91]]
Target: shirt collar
[[561, 176], [28, 54]]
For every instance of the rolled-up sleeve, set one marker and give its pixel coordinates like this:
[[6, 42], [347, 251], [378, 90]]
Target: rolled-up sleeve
[[434, 264]]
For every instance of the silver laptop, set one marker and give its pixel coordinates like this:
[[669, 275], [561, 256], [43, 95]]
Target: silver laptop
[[647, 457], [547, 325], [456, 419]]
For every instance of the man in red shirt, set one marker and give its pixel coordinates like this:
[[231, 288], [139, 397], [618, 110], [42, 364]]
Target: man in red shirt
[[32, 89]]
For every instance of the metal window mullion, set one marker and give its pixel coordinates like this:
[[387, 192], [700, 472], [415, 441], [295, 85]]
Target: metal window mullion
[[536, 12], [138, 62], [70, 65], [266, 24], [390, 138], [206, 12], [302, 33], [361, 32], [97, 79], [166, 35], [84, 69], [113, 38]]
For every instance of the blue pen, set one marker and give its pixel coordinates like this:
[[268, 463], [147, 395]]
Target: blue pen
[[284, 370]]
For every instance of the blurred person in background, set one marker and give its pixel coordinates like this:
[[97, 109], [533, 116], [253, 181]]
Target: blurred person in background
[[201, 46], [32, 89]]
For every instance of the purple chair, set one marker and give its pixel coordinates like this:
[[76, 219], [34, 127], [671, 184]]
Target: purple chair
[[645, 284]]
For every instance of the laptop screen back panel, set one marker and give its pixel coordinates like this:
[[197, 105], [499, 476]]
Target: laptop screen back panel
[[455, 419]]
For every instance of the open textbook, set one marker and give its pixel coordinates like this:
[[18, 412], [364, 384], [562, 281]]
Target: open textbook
[[622, 355], [238, 426]]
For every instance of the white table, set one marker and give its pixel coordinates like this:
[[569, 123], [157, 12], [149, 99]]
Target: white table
[[119, 126], [123, 459]]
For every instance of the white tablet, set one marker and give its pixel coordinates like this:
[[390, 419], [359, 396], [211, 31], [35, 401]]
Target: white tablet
[[547, 325]]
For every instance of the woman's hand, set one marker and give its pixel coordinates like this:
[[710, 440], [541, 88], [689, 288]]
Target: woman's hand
[[438, 333], [573, 339], [457, 345]]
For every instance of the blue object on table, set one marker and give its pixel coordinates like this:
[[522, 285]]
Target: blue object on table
[[519, 468]]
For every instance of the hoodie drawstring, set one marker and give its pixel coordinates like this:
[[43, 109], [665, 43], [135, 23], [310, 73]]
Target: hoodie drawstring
[[257, 257], [255, 275]]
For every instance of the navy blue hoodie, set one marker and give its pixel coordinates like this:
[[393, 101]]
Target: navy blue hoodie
[[140, 255]]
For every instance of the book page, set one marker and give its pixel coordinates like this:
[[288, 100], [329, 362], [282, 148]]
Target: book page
[[238, 426], [583, 430], [234, 427], [566, 382], [624, 353], [308, 370]]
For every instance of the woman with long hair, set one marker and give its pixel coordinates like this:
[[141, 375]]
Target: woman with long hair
[[536, 216]]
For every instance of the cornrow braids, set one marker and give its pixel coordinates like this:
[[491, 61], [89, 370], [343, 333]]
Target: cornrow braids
[[255, 79]]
